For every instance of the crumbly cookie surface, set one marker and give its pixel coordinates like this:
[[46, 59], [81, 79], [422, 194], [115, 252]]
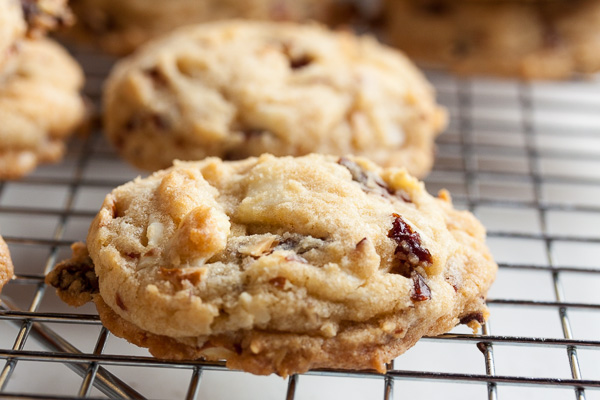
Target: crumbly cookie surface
[[529, 39], [40, 106], [6, 265], [120, 26], [239, 89], [284, 264]]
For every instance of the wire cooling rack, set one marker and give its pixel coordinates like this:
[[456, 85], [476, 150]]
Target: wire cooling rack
[[525, 157]]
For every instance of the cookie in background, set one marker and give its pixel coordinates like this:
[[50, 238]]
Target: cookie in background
[[40, 103], [28, 18], [12, 29], [6, 265], [40, 106], [529, 39], [120, 26], [236, 89], [43, 16]]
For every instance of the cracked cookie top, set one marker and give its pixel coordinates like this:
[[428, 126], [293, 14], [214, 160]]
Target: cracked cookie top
[[302, 245], [237, 89]]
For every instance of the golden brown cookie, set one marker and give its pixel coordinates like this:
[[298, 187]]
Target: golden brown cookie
[[280, 265], [238, 89], [6, 266], [528, 39], [46, 15], [40, 106], [120, 26], [12, 29]]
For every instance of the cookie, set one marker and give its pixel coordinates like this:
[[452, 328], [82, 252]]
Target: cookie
[[238, 89], [40, 106], [280, 265], [120, 26], [6, 266], [12, 29], [541, 39], [46, 15], [32, 18]]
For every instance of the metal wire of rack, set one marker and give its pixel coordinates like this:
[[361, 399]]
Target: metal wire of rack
[[525, 157]]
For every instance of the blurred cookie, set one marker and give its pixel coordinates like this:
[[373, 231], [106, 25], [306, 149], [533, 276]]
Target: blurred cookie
[[33, 18], [528, 39], [120, 26], [46, 15], [12, 29], [237, 89], [40, 106], [280, 265], [6, 266]]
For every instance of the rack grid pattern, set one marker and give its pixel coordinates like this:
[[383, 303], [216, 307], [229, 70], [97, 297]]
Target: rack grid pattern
[[525, 157]]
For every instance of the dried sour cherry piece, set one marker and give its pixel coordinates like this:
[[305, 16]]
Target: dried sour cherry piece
[[409, 250], [421, 291]]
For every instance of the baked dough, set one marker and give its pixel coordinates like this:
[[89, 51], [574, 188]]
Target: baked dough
[[120, 26], [528, 39], [40, 106], [280, 265], [239, 89], [6, 265]]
